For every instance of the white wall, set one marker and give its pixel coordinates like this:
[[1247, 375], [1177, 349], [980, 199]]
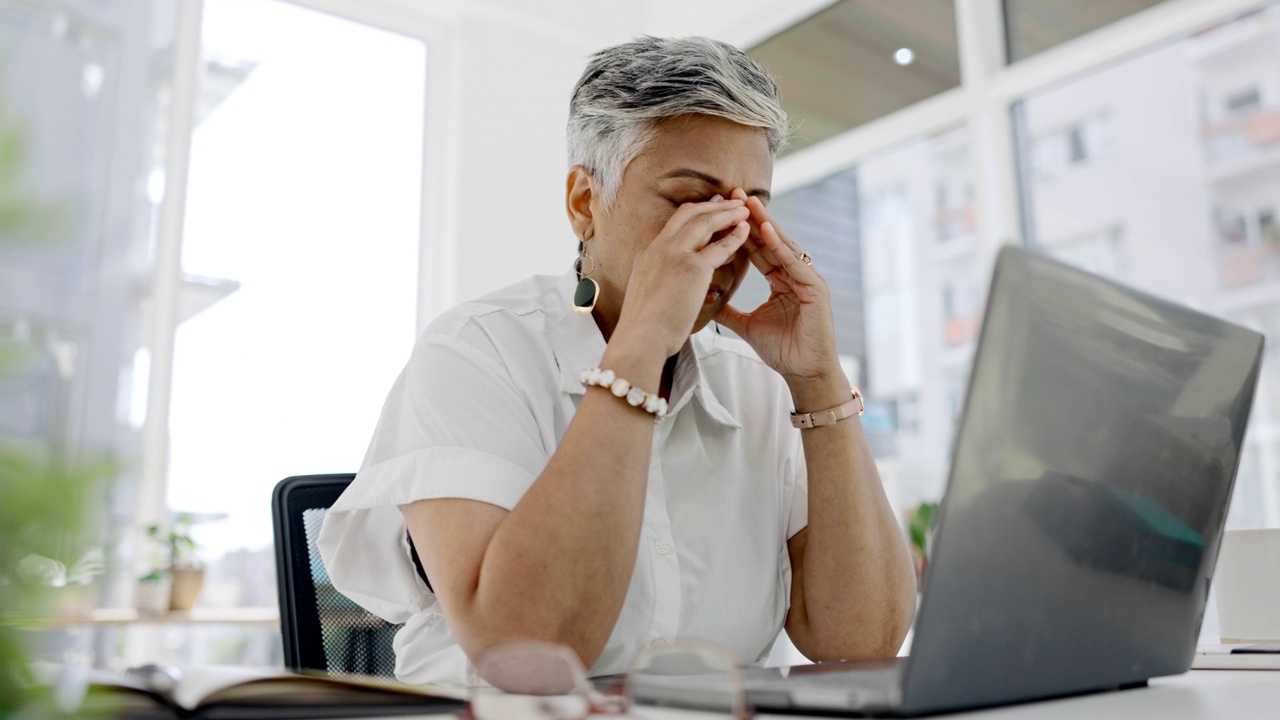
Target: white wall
[[507, 165]]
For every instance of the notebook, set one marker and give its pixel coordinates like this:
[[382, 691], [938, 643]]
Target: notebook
[[212, 692], [1090, 479]]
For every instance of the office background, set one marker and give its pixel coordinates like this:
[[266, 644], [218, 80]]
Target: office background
[[223, 222]]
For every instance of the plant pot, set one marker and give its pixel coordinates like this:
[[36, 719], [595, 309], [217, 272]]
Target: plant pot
[[152, 596], [186, 588], [75, 600]]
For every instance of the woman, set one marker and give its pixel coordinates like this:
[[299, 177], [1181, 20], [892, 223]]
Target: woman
[[544, 503]]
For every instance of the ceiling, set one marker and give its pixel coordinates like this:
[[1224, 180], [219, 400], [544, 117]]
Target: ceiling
[[836, 69]]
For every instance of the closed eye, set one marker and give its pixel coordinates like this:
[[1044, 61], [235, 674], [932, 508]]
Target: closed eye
[[681, 201]]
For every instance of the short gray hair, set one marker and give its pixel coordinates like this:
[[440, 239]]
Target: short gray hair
[[626, 90]]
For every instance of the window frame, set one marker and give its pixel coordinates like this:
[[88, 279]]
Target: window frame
[[985, 102], [439, 163]]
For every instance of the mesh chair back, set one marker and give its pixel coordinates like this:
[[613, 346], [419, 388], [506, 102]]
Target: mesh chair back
[[321, 628]]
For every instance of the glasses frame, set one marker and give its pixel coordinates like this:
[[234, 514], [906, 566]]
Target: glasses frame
[[617, 702]]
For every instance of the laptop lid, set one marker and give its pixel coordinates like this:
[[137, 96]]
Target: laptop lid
[[1090, 480]]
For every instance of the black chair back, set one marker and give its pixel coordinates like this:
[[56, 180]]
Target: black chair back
[[322, 629]]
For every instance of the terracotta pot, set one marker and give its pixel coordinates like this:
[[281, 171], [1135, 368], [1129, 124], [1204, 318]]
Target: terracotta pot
[[186, 588]]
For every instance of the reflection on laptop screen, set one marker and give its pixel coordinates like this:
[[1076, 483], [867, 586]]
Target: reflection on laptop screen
[[1090, 481]]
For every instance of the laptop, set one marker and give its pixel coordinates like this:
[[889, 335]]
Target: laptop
[[1090, 479]]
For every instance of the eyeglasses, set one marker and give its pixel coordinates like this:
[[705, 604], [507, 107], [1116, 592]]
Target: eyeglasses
[[539, 679]]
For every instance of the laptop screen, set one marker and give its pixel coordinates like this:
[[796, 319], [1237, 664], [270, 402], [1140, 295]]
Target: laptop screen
[[1090, 480]]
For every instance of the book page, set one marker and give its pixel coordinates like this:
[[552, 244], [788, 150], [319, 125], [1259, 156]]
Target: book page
[[202, 685]]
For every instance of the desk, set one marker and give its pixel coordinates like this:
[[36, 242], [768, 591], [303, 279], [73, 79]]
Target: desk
[[1197, 695], [129, 616]]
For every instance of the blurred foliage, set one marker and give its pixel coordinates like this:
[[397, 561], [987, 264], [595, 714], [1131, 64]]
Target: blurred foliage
[[920, 523], [180, 547], [44, 499], [44, 512], [26, 217]]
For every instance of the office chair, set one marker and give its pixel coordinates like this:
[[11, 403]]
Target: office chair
[[322, 629]]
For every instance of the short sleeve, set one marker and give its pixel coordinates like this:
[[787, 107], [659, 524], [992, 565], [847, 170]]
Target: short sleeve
[[453, 426]]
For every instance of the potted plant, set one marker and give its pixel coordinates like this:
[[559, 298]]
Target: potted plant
[[185, 571], [152, 593], [920, 523]]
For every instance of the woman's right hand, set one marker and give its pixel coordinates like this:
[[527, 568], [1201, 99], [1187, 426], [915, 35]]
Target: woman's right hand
[[670, 278]]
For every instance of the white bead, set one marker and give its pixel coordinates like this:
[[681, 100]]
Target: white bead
[[585, 377], [635, 397], [593, 376], [651, 403], [606, 378], [619, 387], [662, 408]]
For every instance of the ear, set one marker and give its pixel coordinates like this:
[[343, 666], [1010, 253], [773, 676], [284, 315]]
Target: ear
[[579, 194]]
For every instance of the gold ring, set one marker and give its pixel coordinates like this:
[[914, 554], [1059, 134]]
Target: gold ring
[[805, 258]]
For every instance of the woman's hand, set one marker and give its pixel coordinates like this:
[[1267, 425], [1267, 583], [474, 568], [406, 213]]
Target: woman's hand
[[793, 331], [670, 278]]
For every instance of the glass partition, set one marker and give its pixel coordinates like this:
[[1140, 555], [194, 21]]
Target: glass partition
[[1033, 26], [302, 231], [1164, 171], [895, 238]]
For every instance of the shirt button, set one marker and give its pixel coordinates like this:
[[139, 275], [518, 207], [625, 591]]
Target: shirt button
[[662, 546], [658, 644]]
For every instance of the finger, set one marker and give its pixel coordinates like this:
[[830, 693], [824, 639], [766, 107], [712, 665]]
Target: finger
[[734, 319], [761, 258], [760, 216], [690, 210], [761, 255], [694, 228], [722, 250], [787, 257]]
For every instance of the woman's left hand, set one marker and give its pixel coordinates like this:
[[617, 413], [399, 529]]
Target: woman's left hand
[[793, 331]]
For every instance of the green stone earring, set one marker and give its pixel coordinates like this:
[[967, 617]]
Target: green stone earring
[[587, 292], [585, 295]]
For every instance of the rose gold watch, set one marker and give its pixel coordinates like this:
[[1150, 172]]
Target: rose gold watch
[[830, 416]]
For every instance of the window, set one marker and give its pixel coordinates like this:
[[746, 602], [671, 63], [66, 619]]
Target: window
[[1184, 207], [1033, 26], [79, 131], [906, 277], [1245, 101], [303, 208]]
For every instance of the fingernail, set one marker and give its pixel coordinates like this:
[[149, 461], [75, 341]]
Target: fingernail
[[717, 197]]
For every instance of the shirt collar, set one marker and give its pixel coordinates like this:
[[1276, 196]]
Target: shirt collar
[[578, 344]]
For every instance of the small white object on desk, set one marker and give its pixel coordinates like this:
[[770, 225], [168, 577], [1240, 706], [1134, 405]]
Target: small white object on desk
[[1242, 656]]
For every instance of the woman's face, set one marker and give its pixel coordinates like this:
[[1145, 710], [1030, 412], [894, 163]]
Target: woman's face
[[691, 158]]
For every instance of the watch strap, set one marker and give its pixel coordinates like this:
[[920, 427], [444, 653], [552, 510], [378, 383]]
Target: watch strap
[[830, 416]]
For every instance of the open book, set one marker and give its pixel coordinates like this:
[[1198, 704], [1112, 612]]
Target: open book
[[212, 692]]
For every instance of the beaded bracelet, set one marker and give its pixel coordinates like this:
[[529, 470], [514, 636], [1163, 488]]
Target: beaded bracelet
[[620, 388]]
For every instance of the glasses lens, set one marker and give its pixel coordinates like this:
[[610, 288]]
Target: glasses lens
[[685, 676], [530, 679], [531, 667], [493, 704]]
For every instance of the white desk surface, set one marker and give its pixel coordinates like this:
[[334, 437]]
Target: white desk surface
[[1197, 695]]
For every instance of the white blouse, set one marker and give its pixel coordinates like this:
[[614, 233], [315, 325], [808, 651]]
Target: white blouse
[[478, 411]]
